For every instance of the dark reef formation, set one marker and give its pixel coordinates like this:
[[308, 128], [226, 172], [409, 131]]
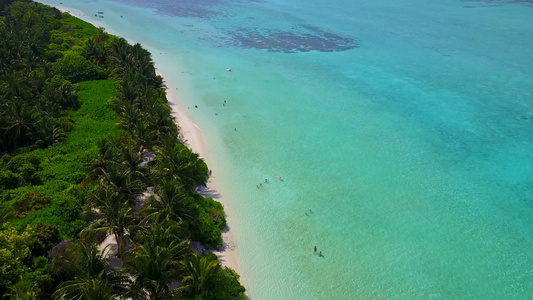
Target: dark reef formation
[[304, 39]]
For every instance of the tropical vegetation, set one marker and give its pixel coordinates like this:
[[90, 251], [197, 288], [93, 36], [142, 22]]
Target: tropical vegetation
[[89, 151]]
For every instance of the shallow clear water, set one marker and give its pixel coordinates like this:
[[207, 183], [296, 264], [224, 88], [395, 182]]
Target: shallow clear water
[[406, 127]]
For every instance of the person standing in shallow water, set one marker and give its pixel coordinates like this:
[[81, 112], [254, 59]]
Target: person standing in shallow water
[[315, 249]]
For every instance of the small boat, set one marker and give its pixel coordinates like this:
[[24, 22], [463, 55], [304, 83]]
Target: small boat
[[100, 12]]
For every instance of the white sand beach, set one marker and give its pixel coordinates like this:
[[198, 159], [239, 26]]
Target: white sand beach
[[193, 137]]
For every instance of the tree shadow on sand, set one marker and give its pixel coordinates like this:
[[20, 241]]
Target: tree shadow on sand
[[209, 193]]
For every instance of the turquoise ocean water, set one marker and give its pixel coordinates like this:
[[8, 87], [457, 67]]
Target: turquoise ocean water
[[406, 126]]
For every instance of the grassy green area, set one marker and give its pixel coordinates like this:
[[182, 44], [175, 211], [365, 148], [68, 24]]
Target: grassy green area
[[73, 32], [83, 30], [59, 167], [92, 122]]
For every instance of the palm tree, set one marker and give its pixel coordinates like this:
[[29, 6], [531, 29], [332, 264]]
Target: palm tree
[[131, 162], [108, 155], [96, 52], [171, 202], [160, 122], [95, 47], [19, 121], [145, 92], [143, 135], [175, 160], [22, 290], [95, 279], [143, 58], [155, 261], [60, 91], [101, 36], [129, 114], [46, 133], [119, 51], [86, 289], [127, 92], [37, 82], [112, 214], [201, 270], [123, 181]]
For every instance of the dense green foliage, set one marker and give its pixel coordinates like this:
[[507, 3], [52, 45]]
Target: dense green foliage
[[74, 67], [33, 102], [53, 175], [81, 112]]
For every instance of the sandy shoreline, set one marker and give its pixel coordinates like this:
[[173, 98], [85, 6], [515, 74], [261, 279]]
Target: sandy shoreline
[[193, 137]]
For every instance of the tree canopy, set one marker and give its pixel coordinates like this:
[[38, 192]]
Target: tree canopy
[[80, 110]]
